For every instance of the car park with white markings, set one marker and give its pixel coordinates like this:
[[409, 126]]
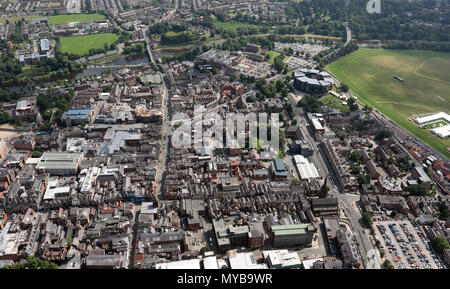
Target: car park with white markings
[[405, 245]]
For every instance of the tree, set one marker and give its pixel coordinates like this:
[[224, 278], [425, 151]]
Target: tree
[[310, 104], [204, 249], [36, 154], [418, 190], [382, 134], [352, 104], [356, 156], [364, 178], [344, 87], [33, 263], [443, 211], [282, 139], [367, 218], [440, 244], [290, 110], [278, 62], [5, 117], [295, 182], [355, 170], [387, 264]]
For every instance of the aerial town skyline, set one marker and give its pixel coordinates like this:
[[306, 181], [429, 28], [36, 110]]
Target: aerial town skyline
[[160, 134]]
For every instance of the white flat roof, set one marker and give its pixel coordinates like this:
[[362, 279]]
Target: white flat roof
[[183, 264], [306, 169], [32, 161], [52, 189], [148, 208], [245, 261], [210, 262], [266, 253], [442, 132], [308, 264], [316, 123], [433, 117]]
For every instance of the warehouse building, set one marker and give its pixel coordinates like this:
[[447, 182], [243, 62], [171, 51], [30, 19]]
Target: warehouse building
[[59, 163], [305, 169], [291, 235], [440, 116], [77, 116], [442, 132]]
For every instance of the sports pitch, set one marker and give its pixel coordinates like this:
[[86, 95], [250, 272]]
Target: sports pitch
[[61, 19], [232, 24], [426, 88], [81, 44]]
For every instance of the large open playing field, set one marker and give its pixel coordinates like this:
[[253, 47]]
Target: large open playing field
[[231, 24], [61, 19], [81, 44], [426, 88]]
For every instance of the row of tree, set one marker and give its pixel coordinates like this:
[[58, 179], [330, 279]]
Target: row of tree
[[33, 263], [134, 49], [179, 37]]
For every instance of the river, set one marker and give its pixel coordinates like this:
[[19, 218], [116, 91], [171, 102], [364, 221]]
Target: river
[[129, 60], [124, 60]]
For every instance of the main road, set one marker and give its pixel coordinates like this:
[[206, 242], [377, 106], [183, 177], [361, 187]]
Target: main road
[[346, 201]]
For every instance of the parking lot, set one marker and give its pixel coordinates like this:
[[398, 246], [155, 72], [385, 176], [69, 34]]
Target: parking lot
[[257, 69], [294, 62], [405, 245]]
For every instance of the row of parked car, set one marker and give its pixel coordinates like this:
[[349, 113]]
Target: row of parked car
[[427, 244], [413, 253]]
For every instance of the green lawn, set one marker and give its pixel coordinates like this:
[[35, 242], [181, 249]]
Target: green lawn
[[436, 124], [61, 19], [370, 74], [231, 24], [272, 55], [334, 102], [173, 33], [81, 44]]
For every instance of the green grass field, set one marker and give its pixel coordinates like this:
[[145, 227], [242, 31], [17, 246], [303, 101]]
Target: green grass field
[[81, 44], [61, 19], [436, 124], [272, 55], [173, 33], [370, 74], [334, 102], [231, 24]]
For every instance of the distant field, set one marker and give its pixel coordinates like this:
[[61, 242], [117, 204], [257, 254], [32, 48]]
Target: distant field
[[231, 24], [81, 44], [61, 19], [173, 33], [370, 74]]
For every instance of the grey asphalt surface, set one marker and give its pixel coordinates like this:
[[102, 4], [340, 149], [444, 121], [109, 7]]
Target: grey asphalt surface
[[345, 200]]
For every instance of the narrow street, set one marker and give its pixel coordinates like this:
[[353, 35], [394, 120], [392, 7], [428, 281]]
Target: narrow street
[[345, 200]]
